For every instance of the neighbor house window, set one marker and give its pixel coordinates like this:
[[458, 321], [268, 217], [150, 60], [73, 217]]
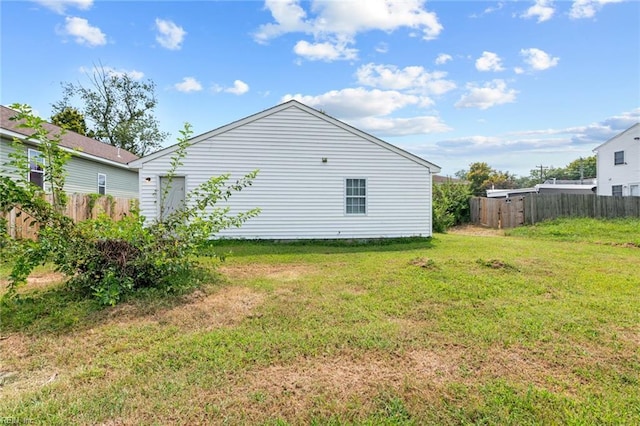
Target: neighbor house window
[[616, 190], [102, 183], [36, 168], [618, 157], [356, 196]]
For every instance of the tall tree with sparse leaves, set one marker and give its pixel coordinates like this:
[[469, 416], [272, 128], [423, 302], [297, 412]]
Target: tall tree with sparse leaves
[[119, 109]]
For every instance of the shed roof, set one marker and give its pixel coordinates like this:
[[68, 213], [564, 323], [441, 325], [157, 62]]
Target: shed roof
[[433, 168], [71, 140]]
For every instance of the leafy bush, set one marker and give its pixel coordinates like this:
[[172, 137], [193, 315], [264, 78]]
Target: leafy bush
[[105, 258], [450, 205]]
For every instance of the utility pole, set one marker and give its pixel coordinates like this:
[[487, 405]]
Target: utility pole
[[542, 169]]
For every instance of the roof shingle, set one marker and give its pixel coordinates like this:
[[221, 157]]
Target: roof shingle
[[71, 139]]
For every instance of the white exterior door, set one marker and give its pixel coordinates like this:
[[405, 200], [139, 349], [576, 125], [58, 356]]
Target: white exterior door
[[171, 195], [634, 190]]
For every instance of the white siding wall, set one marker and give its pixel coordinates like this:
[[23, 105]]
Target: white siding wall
[[82, 175], [621, 174], [300, 196]]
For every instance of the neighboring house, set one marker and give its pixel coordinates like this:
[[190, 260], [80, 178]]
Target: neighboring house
[[319, 178], [95, 167], [618, 164], [551, 186]]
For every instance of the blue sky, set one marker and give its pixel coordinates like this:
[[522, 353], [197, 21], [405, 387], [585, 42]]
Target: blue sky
[[513, 83]]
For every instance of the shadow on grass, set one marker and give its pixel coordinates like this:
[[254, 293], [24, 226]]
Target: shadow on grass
[[260, 247], [61, 309]]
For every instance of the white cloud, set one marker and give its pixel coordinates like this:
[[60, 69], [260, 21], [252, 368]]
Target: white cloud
[[387, 126], [414, 79], [60, 6], [83, 32], [443, 58], [491, 94], [539, 60], [324, 51], [382, 47], [170, 35], [133, 74], [239, 88], [581, 9], [339, 22], [188, 84], [357, 102], [489, 61], [542, 9], [518, 70]]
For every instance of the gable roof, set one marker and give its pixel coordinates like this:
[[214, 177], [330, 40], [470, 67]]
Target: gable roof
[[433, 168], [92, 148], [635, 127]]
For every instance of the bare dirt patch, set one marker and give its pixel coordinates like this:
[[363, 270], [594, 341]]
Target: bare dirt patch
[[279, 272], [476, 230], [227, 307], [37, 281]]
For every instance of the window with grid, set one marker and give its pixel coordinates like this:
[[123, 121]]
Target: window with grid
[[356, 196], [102, 183], [36, 168], [618, 157], [616, 190]]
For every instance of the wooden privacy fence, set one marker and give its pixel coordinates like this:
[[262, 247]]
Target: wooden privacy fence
[[511, 212], [79, 207]]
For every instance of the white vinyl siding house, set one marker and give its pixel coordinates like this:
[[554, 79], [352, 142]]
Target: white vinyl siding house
[[318, 177], [618, 164]]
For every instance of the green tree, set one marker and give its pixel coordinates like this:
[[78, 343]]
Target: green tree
[[450, 205], [106, 259], [481, 177], [119, 108], [71, 119]]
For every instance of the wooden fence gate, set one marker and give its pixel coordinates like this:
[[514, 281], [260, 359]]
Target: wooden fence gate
[[497, 213]]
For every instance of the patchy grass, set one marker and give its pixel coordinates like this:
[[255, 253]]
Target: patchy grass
[[459, 329], [625, 232]]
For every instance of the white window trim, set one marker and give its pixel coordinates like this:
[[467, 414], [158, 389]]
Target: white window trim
[[614, 159], [38, 154], [366, 196], [621, 191], [105, 183]]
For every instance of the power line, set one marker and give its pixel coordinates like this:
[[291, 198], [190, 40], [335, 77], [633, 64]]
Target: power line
[[542, 169]]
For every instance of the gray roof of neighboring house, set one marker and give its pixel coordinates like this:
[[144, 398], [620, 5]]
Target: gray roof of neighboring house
[[71, 140]]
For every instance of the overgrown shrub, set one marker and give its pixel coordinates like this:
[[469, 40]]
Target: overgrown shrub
[[105, 258], [450, 205]]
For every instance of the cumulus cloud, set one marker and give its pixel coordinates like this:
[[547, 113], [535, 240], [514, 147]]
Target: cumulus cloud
[[357, 102], [542, 9], [338, 22], [188, 84], [325, 51], [170, 36], [489, 61], [581, 9], [388, 126], [60, 6], [539, 60], [443, 58], [414, 79], [489, 95], [239, 88], [133, 74], [83, 32]]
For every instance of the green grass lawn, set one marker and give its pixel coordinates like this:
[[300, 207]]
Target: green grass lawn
[[541, 326]]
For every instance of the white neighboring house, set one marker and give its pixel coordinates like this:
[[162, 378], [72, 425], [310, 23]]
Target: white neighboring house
[[318, 178], [618, 164]]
